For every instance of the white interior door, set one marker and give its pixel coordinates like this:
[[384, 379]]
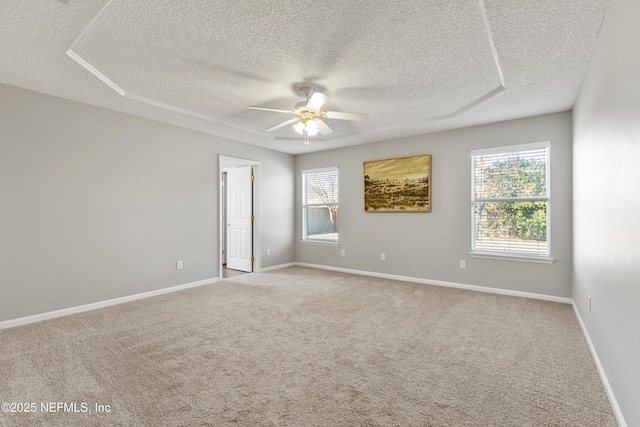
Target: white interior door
[[239, 224], [224, 218]]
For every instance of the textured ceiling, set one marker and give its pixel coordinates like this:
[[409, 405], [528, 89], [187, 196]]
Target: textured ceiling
[[414, 66]]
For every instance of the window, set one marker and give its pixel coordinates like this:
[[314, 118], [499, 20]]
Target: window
[[320, 205], [510, 201]]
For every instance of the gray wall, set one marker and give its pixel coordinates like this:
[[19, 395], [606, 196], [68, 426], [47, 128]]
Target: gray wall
[[430, 245], [607, 203], [97, 205]]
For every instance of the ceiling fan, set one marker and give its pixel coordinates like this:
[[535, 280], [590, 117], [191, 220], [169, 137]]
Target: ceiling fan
[[307, 120]]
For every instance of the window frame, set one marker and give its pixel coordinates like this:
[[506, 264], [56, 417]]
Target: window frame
[[305, 206], [512, 255]]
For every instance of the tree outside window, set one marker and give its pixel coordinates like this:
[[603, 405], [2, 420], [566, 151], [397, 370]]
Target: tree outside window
[[320, 205], [511, 199]]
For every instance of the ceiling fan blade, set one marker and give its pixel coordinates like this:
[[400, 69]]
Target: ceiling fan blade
[[323, 127], [283, 124], [270, 109], [346, 116], [316, 100]]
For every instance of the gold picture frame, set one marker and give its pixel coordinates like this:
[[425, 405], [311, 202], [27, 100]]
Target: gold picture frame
[[398, 185]]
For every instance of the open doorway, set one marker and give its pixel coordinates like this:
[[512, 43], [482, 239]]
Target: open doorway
[[239, 216]]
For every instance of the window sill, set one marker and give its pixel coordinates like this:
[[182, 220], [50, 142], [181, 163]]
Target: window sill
[[319, 243], [512, 257]]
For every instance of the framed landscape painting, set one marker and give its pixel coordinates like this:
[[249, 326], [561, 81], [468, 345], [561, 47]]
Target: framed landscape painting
[[398, 185]]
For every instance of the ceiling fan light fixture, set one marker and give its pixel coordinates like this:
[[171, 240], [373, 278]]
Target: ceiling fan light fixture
[[307, 126], [311, 128]]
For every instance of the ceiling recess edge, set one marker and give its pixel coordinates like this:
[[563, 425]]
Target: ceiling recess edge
[[474, 103]]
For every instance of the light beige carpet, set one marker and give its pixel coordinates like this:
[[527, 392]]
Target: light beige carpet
[[304, 347]]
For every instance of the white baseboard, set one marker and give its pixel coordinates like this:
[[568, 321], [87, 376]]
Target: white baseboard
[[277, 267], [101, 304], [442, 283], [603, 377]]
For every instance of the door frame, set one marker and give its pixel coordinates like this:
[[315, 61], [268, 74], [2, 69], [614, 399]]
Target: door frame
[[225, 162]]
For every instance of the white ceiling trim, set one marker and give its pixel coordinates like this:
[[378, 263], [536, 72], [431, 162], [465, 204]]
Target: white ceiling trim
[[456, 113], [499, 89], [102, 77], [502, 87], [483, 11], [71, 54], [77, 58]]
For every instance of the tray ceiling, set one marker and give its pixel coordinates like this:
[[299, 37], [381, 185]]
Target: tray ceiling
[[413, 66]]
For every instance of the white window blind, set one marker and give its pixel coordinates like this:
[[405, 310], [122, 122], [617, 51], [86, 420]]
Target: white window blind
[[320, 205], [510, 200]]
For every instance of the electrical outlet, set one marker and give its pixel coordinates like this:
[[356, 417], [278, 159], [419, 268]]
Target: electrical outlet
[[342, 252], [179, 265], [463, 263], [382, 256], [268, 251]]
